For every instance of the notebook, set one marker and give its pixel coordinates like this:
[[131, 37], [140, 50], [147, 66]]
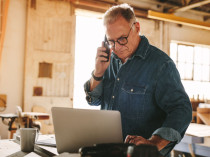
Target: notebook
[[76, 128], [47, 140]]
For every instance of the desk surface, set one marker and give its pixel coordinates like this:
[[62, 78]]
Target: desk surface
[[36, 115], [9, 115], [11, 148], [200, 145], [196, 140]]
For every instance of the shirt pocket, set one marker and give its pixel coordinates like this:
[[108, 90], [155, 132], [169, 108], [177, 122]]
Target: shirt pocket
[[132, 100]]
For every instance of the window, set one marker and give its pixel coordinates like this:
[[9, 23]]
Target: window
[[89, 35], [193, 63]]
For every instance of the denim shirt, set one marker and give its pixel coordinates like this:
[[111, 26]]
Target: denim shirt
[[148, 92]]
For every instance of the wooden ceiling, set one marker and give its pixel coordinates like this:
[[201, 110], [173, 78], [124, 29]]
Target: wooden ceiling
[[182, 5], [194, 13], [199, 7]]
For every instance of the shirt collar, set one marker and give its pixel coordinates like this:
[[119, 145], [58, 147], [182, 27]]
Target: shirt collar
[[142, 49]]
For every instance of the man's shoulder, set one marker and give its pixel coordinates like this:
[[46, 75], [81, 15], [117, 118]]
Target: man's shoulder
[[151, 51], [158, 54]]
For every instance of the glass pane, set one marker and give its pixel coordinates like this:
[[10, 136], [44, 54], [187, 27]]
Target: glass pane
[[205, 73], [189, 54], [206, 56], [188, 71], [173, 52], [181, 53], [181, 69], [198, 55], [197, 72]]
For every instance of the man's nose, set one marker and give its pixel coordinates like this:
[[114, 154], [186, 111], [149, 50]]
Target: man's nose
[[117, 46]]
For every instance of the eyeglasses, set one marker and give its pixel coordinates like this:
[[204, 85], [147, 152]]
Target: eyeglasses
[[121, 40]]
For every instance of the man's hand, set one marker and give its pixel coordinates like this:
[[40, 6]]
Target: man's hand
[[154, 140], [101, 63]]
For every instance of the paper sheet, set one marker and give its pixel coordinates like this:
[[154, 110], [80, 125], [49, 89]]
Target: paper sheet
[[198, 130]]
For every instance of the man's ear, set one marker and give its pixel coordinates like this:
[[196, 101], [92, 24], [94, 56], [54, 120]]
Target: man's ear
[[137, 25]]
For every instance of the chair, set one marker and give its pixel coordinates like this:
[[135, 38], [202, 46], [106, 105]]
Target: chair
[[25, 121], [20, 122], [46, 126]]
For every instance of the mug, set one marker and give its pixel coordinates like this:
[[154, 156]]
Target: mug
[[27, 139]]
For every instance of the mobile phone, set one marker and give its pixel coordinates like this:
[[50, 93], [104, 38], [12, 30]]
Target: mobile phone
[[106, 45]]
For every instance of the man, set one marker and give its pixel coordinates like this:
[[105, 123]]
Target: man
[[140, 81]]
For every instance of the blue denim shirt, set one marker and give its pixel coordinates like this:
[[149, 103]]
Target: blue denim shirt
[[148, 92]]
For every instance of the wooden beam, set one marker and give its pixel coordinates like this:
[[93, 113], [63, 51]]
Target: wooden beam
[[101, 6], [178, 20], [4, 21], [188, 7]]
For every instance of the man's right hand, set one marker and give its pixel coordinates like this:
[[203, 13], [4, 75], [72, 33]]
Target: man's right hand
[[101, 63]]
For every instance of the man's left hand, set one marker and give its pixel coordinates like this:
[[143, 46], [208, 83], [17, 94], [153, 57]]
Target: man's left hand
[[154, 140]]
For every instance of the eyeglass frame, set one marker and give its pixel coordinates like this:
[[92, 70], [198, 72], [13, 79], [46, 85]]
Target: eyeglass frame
[[108, 41]]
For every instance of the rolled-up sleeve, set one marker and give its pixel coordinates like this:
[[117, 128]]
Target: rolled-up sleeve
[[168, 134], [93, 97]]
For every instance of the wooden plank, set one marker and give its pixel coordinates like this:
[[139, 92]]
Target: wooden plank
[[205, 117], [178, 20], [194, 5], [3, 30], [3, 100]]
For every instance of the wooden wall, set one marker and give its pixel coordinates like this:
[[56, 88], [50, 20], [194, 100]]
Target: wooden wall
[[49, 39]]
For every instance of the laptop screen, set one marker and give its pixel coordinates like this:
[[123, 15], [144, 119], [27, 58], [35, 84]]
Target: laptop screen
[[76, 128]]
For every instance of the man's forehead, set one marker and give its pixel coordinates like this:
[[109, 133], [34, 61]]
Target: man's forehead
[[117, 29]]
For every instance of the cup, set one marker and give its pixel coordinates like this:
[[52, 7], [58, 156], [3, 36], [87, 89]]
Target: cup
[[27, 139]]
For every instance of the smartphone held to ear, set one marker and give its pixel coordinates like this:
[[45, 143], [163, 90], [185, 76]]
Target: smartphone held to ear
[[106, 45]]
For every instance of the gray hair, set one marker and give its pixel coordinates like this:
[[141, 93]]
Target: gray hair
[[124, 10]]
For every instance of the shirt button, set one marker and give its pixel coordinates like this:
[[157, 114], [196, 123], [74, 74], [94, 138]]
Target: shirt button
[[113, 97], [118, 79], [132, 90]]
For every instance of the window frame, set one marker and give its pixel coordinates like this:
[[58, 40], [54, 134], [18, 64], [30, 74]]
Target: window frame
[[193, 63]]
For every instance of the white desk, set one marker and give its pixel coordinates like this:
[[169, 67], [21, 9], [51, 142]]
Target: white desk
[[196, 140], [11, 148]]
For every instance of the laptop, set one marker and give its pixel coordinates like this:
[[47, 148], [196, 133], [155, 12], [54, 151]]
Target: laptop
[[76, 128]]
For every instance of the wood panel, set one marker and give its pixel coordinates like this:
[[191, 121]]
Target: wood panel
[[52, 35], [49, 39], [59, 85]]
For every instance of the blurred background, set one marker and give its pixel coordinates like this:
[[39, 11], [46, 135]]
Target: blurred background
[[48, 48]]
